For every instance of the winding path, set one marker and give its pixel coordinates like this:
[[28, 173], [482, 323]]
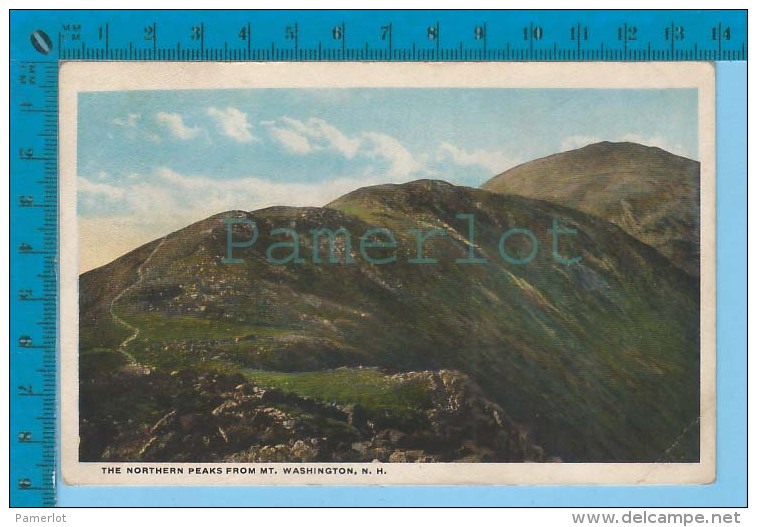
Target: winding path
[[133, 329]]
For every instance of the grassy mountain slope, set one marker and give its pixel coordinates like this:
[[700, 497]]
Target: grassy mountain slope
[[593, 361], [650, 193]]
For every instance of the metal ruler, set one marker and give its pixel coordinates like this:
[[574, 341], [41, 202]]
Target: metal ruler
[[41, 39]]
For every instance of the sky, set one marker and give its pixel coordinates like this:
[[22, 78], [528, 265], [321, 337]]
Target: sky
[[152, 162]]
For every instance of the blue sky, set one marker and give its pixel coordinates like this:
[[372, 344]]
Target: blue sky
[[150, 162]]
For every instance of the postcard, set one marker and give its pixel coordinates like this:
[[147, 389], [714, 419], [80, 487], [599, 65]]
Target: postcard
[[387, 273]]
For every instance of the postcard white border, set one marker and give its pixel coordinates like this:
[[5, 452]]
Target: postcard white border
[[78, 77]]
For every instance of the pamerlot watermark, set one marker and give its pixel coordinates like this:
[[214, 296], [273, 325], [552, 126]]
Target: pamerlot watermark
[[28, 517], [287, 249]]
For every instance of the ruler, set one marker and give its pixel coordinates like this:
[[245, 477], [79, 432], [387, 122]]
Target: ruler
[[41, 39], [33, 284], [392, 36]]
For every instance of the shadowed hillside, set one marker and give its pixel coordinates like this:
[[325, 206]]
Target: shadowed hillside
[[650, 193], [591, 361]]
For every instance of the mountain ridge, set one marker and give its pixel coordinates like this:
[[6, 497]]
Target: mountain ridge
[[651, 193], [579, 356]]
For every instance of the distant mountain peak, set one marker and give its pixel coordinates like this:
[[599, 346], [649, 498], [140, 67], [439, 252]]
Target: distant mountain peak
[[649, 192]]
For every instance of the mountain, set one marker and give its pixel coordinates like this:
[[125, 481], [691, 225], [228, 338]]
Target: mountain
[[648, 192], [594, 360]]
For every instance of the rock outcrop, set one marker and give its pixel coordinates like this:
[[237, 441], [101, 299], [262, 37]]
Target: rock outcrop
[[224, 418]]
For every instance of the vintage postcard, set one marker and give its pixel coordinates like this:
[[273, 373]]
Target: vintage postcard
[[387, 273]]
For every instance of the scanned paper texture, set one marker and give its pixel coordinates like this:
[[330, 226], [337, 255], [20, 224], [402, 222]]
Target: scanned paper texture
[[373, 273]]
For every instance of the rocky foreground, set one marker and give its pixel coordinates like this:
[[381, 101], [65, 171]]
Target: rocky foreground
[[218, 417], [594, 352]]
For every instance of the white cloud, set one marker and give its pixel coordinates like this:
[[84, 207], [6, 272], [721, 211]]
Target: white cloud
[[494, 162], [130, 121], [402, 162], [99, 190], [313, 135], [152, 205], [174, 122], [291, 140], [232, 123], [317, 135], [132, 127]]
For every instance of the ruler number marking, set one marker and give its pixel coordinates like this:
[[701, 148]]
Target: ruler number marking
[[626, 32], [386, 35], [386, 32], [674, 32], [579, 33], [570, 44], [533, 32]]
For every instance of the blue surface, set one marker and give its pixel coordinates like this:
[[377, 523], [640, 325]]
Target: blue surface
[[450, 30], [730, 486]]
